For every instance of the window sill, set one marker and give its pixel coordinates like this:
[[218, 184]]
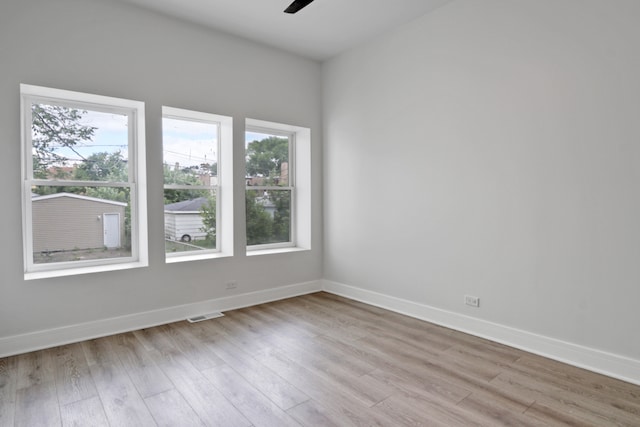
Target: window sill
[[275, 251], [194, 257], [34, 275]]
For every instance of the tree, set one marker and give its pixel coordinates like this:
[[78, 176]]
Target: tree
[[264, 160], [208, 213], [282, 215], [181, 177], [259, 222], [102, 167], [265, 157], [54, 127], [97, 167]]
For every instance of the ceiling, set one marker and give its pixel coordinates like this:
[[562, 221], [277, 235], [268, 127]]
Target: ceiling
[[319, 31]]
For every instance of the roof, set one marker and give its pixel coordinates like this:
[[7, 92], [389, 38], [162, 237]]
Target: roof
[[193, 205], [37, 198]]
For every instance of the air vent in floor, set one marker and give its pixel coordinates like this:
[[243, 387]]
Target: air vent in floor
[[202, 317]]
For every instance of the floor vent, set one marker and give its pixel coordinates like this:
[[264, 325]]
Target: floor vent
[[202, 317]]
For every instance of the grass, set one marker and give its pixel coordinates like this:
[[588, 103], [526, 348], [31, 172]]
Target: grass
[[172, 246], [46, 257]]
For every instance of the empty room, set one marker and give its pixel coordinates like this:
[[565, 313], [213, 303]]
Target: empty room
[[348, 213]]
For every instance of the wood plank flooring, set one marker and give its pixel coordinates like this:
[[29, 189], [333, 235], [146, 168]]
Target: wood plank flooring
[[315, 360]]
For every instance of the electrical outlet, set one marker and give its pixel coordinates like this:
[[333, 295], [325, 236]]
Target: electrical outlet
[[232, 284], [472, 301]]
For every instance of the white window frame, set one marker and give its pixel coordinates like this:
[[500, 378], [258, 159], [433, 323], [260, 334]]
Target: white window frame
[[299, 185], [136, 180], [223, 187]]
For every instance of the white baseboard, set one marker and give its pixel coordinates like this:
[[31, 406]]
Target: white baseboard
[[609, 364], [613, 365], [18, 344]]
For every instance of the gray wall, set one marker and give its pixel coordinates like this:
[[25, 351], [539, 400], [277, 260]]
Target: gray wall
[[492, 148], [109, 48]]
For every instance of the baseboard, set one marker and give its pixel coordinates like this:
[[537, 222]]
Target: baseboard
[[18, 344], [609, 364]]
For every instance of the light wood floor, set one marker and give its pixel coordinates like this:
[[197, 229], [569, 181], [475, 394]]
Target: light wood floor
[[314, 360]]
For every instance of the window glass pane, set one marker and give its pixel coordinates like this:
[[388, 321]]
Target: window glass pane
[[267, 159], [189, 220], [85, 218], [268, 216], [190, 150], [78, 144], [80, 223]]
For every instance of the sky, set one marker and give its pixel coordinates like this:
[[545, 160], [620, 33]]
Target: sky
[[110, 135], [187, 142]]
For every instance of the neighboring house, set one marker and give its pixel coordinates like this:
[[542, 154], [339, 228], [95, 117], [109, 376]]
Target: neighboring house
[[65, 221], [183, 221]]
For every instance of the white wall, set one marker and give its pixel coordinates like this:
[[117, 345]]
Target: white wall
[[492, 148], [114, 49]]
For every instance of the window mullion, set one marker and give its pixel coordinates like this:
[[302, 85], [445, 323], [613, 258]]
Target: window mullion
[[189, 187], [73, 183], [268, 187]]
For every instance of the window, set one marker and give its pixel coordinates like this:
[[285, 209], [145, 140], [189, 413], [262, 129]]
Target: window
[[84, 193], [196, 152], [277, 197]]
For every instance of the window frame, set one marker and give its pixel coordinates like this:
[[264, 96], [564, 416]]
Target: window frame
[[299, 163], [223, 188], [290, 187], [136, 179]]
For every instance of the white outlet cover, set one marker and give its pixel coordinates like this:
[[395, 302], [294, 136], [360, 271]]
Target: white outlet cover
[[472, 301]]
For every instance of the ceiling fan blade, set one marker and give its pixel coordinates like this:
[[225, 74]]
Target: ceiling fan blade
[[297, 5]]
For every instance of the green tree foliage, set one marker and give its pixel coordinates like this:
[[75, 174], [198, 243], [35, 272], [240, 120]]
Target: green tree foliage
[[259, 222], [264, 160], [102, 167], [260, 225], [265, 157], [181, 177], [54, 127], [97, 167], [282, 215], [208, 213]]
